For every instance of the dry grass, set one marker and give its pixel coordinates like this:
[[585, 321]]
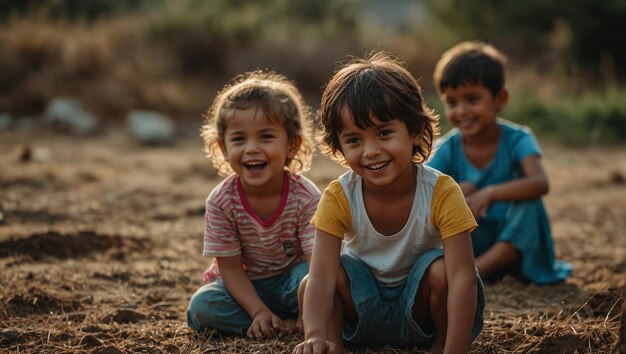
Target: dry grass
[[100, 245]]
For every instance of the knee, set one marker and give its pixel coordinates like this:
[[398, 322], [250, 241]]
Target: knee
[[201, 313], [436, 278], [343, 282], [302, 287]]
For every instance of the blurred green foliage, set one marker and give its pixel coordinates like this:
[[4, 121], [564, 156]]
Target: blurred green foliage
[[211, 34], [245, 20], [172, 55], [74, 9], [589, 35], [594, 116]]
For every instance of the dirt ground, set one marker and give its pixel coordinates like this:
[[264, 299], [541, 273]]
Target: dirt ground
[[101, 240]]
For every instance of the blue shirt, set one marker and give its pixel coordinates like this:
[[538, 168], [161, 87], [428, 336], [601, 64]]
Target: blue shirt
[[516, 142]]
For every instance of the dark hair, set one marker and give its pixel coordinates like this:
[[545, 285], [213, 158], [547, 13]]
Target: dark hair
[[471, 62], [277, 97], [375, 86]]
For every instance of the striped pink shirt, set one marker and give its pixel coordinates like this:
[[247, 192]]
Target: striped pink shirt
[[267, 247]]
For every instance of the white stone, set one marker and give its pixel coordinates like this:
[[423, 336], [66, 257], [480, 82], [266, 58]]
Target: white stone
[[67, 114], [150, 127]]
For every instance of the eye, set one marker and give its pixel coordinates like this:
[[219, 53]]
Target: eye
[[384, 132], [451, 104], [473, 99], [237, 139], [351, 141], [267, 136]]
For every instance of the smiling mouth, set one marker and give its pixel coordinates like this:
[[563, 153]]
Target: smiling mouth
[[254, 165], [466, 123], [377, 166]]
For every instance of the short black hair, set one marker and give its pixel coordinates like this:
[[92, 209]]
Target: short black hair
[[380, 86], [471, 62]]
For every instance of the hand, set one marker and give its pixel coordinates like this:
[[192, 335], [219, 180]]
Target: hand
[[265, 324], [300, 325], [479, 202], [207, 275], [467, 188], [315, 346]]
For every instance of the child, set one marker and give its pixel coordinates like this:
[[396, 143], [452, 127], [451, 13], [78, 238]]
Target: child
[[257, 219], [389, 283], [497, 164]]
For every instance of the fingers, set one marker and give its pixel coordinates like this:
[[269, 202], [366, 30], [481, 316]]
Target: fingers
[[300, 325], [251, 332], [277, 324], [315, 346], [261, 329], [267, 331]]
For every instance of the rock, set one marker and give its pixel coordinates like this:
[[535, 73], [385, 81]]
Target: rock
[[5, 121], [66, 114], [150, 127]]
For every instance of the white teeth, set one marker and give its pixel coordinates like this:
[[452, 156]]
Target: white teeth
[[466, 123], [378, 166], [254, 163]]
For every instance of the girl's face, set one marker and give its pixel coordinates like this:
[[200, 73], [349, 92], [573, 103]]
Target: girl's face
[[256, 149], [381, 154], [472, 108]]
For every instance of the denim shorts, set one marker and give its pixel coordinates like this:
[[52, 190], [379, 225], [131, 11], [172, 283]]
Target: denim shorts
[[213, 307], [385, 313]]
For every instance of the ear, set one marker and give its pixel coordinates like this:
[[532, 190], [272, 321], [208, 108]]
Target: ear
[[294, 146], [220, 142], [502, 98], [417, 137]]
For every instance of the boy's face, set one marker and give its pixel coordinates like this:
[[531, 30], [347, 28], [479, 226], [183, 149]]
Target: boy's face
[[472, 108], [381, 154]]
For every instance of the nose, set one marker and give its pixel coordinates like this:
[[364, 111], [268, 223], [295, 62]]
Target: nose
[[461, 109], [252, 146], [371, 148]]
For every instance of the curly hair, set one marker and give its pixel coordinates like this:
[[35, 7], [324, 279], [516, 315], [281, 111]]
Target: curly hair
[[277, 97], [380, 86]]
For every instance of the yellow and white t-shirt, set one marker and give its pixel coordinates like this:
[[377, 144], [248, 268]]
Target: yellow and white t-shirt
[[439, 211]]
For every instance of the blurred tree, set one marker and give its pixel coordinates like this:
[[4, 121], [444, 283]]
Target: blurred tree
[[73, 9], [209, 34], [589, 36]]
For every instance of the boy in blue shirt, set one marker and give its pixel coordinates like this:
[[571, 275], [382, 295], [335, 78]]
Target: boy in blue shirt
[[497, 164]]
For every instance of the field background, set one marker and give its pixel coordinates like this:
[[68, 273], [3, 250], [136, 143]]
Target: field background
[[101, 236]]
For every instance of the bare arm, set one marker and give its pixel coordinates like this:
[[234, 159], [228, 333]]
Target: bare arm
[[462, 291], [532, 185], [467, 188], [319, 293], [265, 324]]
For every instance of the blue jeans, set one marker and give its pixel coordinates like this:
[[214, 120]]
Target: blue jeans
[[386, 313], [213, 307]]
